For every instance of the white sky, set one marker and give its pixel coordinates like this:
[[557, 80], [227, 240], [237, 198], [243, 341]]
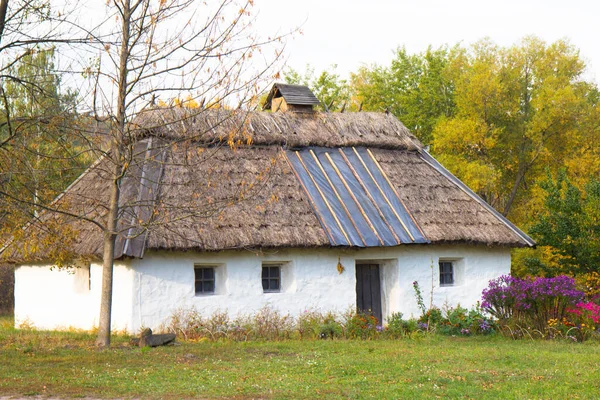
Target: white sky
[[351, 33]]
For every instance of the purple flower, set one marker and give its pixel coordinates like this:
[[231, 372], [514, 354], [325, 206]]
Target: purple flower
[[508, 296], [423, 325], [379, 328], [484, 326]]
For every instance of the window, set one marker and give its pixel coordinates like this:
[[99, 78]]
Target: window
[[271, 278], [446, 273], [205, 280]]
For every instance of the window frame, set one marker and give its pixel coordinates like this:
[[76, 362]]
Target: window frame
[[444, 273], [269, 278], [203, 279]]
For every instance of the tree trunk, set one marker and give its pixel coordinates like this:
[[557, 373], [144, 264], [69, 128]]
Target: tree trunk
[[110, 233], [3, 11], [513, 193], [110, 236]]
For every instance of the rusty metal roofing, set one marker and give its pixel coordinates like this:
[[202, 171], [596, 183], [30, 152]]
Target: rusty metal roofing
[[353, 198]]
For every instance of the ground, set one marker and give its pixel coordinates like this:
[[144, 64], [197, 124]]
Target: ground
[[66, 365]]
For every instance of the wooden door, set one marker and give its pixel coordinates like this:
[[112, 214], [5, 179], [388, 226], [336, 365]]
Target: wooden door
[[368, 290]]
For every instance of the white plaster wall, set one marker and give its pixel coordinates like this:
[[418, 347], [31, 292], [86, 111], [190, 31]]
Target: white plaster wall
[[164, 281], [49, 298], [148, 291]]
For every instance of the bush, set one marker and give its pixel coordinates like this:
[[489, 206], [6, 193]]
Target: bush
[[270, 324], [453, 320], [308, 324], [546, 308], [398, 327], [531, 302], [585, 318], [361, 326]]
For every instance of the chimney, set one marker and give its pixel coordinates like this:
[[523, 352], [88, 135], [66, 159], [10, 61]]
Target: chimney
[[294, 98]]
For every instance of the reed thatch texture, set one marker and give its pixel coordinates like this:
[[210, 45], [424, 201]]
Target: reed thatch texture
[[292, 130], [444, 212], [203, 194], [245, 198]]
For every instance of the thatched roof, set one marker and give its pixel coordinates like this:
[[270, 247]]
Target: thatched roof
[[196, 191], [292, 130]]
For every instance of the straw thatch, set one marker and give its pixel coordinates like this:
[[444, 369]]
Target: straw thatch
[[444, 212], [194, 191], [292, 130]]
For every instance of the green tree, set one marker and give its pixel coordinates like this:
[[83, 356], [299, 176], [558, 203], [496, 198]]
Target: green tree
[[569, 228], [41, 157], [332, 91], [415, 88]]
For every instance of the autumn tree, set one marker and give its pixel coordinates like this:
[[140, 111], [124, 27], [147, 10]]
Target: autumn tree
[[519, 110], [134, 63], [34, 149]]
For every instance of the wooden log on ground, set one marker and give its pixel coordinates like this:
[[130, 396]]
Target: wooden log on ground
[[147, 339]]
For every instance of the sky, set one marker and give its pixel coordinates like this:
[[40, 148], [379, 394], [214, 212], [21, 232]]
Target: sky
[[352, 33]]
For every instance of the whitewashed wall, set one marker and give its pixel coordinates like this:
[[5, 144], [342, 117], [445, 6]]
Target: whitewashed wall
[[60, 299], [148, 291], [164, 281]]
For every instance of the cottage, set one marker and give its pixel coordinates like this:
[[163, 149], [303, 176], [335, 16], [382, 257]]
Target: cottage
[[297, 209]]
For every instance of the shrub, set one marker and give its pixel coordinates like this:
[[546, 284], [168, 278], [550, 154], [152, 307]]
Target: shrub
[[330, 328], [308, 324], [431, 319], [270, 324], [361, 326], [585, 317], [398, 327], [461, 321], [395, 327], [532, 302]]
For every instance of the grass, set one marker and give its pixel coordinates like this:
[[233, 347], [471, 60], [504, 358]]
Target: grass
[[66, 365]]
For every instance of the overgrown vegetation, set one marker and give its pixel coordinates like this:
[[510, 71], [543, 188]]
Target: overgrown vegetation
[[270, 324]]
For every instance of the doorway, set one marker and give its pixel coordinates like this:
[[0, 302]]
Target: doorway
[[368, 290]]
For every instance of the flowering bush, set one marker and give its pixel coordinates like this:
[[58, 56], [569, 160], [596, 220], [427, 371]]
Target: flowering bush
[[530, 301], [585, 318], [361, 326]]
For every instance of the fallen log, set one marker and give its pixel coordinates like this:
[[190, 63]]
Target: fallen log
[[147, 339]]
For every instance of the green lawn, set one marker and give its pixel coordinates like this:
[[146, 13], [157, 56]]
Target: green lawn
[[67, 365]]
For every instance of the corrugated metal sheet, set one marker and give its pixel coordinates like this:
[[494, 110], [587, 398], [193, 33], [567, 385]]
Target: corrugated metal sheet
[[353, 198]]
